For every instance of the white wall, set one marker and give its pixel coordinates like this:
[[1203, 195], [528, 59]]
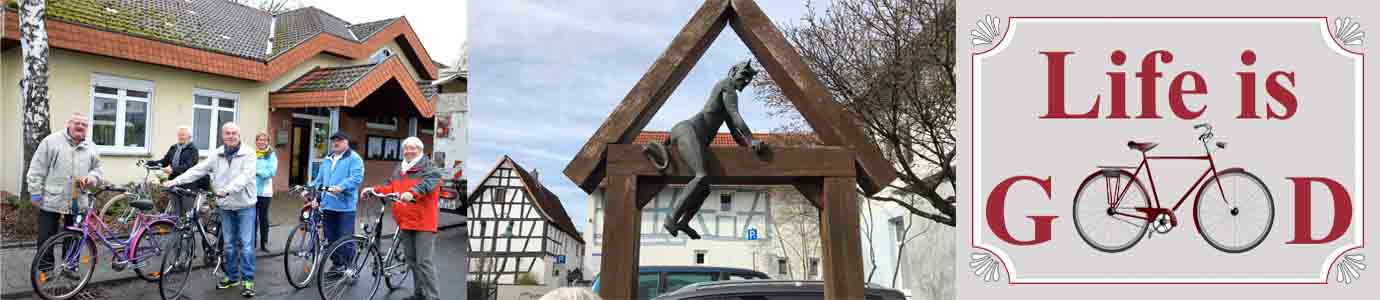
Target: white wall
[[724, 232]]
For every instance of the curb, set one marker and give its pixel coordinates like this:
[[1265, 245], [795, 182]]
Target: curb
[[120, 280]]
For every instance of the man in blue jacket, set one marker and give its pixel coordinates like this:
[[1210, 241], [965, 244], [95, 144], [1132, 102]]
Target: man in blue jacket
[[341, 173]]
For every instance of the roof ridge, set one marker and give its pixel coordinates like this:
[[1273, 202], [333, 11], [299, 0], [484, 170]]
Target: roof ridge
[[256, 9], [375, 21]]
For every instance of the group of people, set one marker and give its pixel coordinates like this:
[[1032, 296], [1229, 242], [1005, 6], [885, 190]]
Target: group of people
[[242, 179]]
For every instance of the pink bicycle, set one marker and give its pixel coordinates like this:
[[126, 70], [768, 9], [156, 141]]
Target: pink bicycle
[[1233, 209]]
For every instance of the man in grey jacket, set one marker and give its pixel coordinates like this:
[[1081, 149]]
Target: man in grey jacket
[[231, 168], [64, 162]]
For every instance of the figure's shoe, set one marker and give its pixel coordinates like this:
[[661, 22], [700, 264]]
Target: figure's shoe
[[670, 227], [689, 232]]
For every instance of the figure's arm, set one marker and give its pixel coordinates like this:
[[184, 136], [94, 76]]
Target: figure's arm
[[196, 172], [736, 126]]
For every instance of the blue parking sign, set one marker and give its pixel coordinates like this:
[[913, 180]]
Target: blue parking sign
[[560, 259], [752, 234]]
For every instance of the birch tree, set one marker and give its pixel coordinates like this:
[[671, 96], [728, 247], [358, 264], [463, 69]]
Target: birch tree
[[33, 85]]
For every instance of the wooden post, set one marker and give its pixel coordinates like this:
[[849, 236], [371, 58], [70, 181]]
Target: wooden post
[[838, 229], [622, 238]]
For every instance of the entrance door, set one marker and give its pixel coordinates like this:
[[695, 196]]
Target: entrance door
[[309, 144]]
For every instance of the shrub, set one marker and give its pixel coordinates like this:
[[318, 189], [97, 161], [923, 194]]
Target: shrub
[[526, 279]]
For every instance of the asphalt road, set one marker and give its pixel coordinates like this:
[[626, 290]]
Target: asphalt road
[[271, 283]]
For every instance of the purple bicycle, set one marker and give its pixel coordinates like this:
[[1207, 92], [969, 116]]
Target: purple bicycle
[[64, 263]]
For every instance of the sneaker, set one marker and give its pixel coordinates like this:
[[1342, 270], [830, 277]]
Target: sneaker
[[248, 289], [225, 283]]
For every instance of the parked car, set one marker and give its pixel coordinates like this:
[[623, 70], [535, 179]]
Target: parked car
[[769, 290], [657, 280]]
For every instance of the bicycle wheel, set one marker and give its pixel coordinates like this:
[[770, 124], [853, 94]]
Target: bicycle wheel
[[1098, 223], [118, 210], [177, 267], [1234, 211], [60, 268], [150, 249], [395, 267], [300, 254], [342, 265]]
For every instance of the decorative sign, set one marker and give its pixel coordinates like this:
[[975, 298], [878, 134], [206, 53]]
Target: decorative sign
[[1166, 150]]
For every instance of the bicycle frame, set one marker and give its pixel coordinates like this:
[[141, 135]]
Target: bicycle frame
[[93, 228], [1157, 208]]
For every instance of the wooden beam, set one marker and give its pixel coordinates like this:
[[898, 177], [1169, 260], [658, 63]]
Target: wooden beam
[[828, 118], [812, 191], [622, 239], [647, 191], [839, 237], [650, 92], [739, 162]]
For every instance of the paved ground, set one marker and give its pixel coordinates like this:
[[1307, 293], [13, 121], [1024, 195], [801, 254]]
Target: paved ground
[[270, 281]]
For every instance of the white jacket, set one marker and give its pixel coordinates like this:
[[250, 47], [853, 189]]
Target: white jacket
[[232, 176]]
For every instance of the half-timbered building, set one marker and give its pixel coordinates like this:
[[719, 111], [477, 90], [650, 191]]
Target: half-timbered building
[[519, 230]]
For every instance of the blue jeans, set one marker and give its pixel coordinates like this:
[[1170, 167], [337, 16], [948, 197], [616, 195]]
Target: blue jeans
[[237, 235], [339, 225]]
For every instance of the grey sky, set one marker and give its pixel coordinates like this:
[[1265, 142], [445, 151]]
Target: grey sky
[[440, 24], [545, 74]]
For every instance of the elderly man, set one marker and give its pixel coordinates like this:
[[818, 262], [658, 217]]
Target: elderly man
[[180, 157], [231, 168], [64, 162], [341, 173]]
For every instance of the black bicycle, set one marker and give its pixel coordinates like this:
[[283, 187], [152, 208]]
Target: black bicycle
[[304, 245], [190, 226], [347, 257]]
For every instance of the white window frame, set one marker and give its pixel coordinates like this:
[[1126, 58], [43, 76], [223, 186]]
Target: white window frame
[[368, 123], [215, 108], [124, 84]]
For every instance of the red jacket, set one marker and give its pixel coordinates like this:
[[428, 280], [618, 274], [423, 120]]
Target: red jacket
[[423, 180]]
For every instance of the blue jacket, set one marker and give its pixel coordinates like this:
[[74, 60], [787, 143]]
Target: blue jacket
[[347, 174], [264, 170]]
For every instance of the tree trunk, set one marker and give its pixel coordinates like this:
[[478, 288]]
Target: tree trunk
[[33, 41]]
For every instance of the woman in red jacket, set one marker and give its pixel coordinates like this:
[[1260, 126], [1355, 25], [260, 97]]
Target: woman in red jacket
[[417, 183]]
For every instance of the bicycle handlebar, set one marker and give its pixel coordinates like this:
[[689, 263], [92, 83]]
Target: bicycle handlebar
[[389, 197]]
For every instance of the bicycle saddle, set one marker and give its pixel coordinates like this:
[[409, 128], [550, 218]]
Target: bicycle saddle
[[142, 204], [1142, 147]]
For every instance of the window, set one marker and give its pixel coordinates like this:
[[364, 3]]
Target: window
[[814, 266], [382, 122], [647, 285], [781, 265], [426, 127], [675, 281], [700, 256], [726, 202], [898, 226], [120, 113], [379, 56], [210, 110]]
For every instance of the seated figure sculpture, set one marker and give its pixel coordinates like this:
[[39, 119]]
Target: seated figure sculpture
[[691, 137]]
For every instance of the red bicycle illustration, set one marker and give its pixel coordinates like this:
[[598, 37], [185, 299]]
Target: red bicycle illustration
[[1233, 209]]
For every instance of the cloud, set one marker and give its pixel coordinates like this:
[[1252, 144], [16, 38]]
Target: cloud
[[545, 74]]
